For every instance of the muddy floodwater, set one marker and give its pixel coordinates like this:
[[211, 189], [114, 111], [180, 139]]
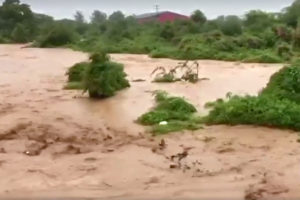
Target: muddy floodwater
[[58, 143]]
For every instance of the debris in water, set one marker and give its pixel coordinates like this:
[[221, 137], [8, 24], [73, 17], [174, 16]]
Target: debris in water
[[138, 80], [164, 123]]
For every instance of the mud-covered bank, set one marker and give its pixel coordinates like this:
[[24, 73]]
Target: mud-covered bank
[[59, 143]]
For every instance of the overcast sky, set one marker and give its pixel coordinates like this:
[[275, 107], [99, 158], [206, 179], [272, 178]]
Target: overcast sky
[[212, 8]]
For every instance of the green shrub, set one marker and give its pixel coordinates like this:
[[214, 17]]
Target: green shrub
[[225, 45], [20, 34], [178, 114], [76, 72], [231, 25], [59, 35], [285, 84], [277, 105], [103, 77], [250, 42], [262, 110], [284, 50]]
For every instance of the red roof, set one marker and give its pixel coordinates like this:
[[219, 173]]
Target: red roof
[[165, 16]]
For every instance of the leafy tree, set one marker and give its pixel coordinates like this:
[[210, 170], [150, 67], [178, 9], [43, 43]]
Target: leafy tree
[[79, 17], [292, 14], [117, 16], [57, 35], [167, 32], [98, 17], [20, 34], [296, 42], [11, 2], [198, 17], [81, 26], [117, 26], [13, 13], [230, 25], [257, 20]]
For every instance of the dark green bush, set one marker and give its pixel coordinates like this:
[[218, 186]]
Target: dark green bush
[[250, 42], [285, 84], [225, 45], [20, 34], [262, 110], [284, 50], [58, 35], [76, 72], [104, 78], [278, 105], [230, 25]]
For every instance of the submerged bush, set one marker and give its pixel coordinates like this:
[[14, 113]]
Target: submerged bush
[[176, 111], [77, 71], [276, 106], [104, 78], [100, 77]]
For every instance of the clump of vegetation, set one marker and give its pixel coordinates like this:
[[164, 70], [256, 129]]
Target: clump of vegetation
[[100, 77], [104, 78], [20, 34], [76, 75], [277, 105], [58, 35], [285, 84], [175, 112], [251, 110], [77, 71]]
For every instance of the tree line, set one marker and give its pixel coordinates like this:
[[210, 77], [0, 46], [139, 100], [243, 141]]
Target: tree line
[[257, 36]]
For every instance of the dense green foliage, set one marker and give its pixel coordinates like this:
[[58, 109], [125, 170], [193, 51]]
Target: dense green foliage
[[58, 35], [277, 105], [262, 110], [258, 36], [100, 78], [285, 84], [176, 111], [104, 79], [76, 72]]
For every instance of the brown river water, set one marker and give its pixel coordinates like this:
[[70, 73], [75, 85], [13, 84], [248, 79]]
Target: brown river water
[[58, 143]]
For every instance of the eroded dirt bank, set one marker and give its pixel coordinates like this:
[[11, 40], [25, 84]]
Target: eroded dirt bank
[[60, 143]]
